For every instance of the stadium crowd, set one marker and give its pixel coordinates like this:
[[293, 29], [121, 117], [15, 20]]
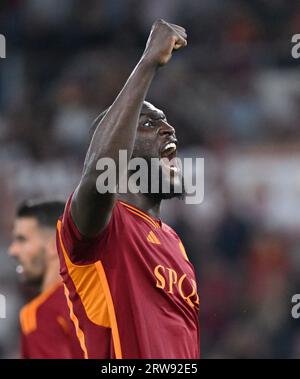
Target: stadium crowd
[[234, 97]]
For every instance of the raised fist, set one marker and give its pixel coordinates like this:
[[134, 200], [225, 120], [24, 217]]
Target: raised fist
[[163, 39]]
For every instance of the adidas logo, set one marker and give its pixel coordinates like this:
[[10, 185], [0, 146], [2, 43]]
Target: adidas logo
[[153, 239]]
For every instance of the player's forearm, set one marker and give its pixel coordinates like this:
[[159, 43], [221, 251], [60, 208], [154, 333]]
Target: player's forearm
[[118, 128]]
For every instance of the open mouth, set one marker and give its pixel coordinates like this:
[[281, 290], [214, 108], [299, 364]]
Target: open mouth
[[168, 154], [169, 151]]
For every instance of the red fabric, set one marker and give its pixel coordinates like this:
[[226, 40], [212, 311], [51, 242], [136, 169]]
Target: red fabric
[[153, 322], [54, 336]]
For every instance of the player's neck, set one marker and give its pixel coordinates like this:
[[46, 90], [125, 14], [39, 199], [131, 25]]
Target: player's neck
[[145, 203], [52, 276]]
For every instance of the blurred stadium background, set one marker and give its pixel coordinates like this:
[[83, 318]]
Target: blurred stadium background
[[234, 96]]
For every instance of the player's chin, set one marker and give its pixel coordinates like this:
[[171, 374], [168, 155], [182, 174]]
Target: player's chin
[[30, 279], [172, 185], [171, 195], [26, 279]]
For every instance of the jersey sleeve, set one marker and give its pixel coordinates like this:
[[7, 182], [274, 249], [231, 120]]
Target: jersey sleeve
[[80, 249]]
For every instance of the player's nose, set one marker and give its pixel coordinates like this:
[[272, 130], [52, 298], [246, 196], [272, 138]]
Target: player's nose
[[166, 128]]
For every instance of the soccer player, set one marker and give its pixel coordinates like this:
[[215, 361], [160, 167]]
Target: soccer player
[[132, 288], [46, 328]]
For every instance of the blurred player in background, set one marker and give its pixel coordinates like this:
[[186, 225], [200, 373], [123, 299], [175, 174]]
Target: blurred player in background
[[131, 285], [46, 328]]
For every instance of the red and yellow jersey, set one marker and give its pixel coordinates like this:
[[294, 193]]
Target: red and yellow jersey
[[46, 328], [132, 290]]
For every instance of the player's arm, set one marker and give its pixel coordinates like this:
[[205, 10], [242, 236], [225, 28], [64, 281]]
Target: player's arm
[[90, 208]]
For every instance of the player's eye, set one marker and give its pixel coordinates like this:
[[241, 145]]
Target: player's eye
[[148, 124], [20, 239]]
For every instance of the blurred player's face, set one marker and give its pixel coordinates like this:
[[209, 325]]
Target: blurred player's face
[[156, 138], [29, 249]]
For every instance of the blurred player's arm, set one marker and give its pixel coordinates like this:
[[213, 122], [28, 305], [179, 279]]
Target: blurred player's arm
[[90, 209]]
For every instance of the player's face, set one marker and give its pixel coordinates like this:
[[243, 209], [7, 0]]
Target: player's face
[[28, 248], [156, 138]]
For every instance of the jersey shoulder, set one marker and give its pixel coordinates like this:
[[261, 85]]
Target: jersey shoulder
[[173, 234], [47, 303]]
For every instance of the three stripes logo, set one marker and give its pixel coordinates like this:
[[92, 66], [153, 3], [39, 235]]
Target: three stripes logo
[[152, 238]]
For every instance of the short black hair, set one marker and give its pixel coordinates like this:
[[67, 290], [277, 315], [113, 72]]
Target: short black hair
[[46, 212]]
